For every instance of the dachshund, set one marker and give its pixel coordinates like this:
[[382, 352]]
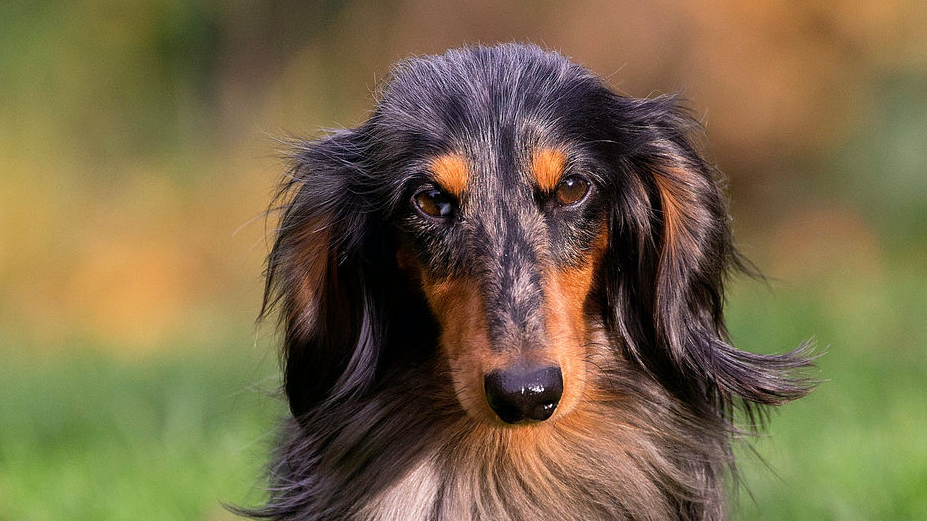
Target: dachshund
[[501, 299]]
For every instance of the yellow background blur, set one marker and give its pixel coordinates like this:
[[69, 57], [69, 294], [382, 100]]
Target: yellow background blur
[[136, 137], [137, 154]]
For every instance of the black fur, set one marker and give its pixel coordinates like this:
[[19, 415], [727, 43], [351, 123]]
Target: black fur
[[374, 410]]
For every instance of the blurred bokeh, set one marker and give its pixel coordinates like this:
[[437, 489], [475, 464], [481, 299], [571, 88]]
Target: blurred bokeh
[[138, 151]]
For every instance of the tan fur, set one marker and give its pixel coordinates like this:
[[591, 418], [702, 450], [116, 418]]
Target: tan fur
[[458, 306], [311, 265], [676, 205], [547, 167], [567, 291], [451, 172], [541, 471]]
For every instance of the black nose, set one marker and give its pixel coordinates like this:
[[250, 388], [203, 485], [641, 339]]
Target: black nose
[[519, 395]]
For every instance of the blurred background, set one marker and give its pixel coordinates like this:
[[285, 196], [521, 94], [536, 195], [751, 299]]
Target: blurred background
[[137, 154]]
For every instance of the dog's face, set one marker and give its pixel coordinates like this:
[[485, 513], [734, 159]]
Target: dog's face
[[498, 204], [502, 226], [506, 235]]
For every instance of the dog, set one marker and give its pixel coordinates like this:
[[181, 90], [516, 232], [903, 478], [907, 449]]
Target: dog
[[501, 299]]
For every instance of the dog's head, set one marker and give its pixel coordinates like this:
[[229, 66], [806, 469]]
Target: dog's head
[[497, 206]]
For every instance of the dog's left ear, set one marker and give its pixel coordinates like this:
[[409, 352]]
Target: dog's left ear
[[324, 272], [671, 249]]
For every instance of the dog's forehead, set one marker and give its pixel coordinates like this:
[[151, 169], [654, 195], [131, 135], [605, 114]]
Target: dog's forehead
[[488, 120]]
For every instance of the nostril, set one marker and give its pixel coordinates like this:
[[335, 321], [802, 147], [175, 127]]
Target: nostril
[[518, 395]]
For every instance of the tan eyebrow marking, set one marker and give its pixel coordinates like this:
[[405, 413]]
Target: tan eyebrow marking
[[451, 172], [547, 166]]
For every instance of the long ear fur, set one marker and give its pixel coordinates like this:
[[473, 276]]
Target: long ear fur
[[671, 251], [321, 273]]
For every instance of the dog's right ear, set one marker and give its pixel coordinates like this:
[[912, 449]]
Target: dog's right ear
[[318, 273]]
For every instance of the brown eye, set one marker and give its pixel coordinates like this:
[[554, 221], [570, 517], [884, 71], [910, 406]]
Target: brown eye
[[571, 189], [434, 203]]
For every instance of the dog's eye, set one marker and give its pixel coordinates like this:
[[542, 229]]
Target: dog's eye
[[434, 203], [571, 190]]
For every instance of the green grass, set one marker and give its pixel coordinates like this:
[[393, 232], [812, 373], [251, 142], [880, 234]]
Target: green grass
[[856, 448], [84, 435], [88, 437]]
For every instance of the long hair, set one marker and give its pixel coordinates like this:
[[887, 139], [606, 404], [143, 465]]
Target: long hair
[[379, 429]]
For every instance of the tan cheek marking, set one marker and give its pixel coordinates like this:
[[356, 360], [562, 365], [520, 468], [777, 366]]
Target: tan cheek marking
[[451, 172], [458, 307], [547, 166], [568, 290]]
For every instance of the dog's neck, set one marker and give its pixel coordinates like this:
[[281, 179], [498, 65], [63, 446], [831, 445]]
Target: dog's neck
[[612, 476]]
